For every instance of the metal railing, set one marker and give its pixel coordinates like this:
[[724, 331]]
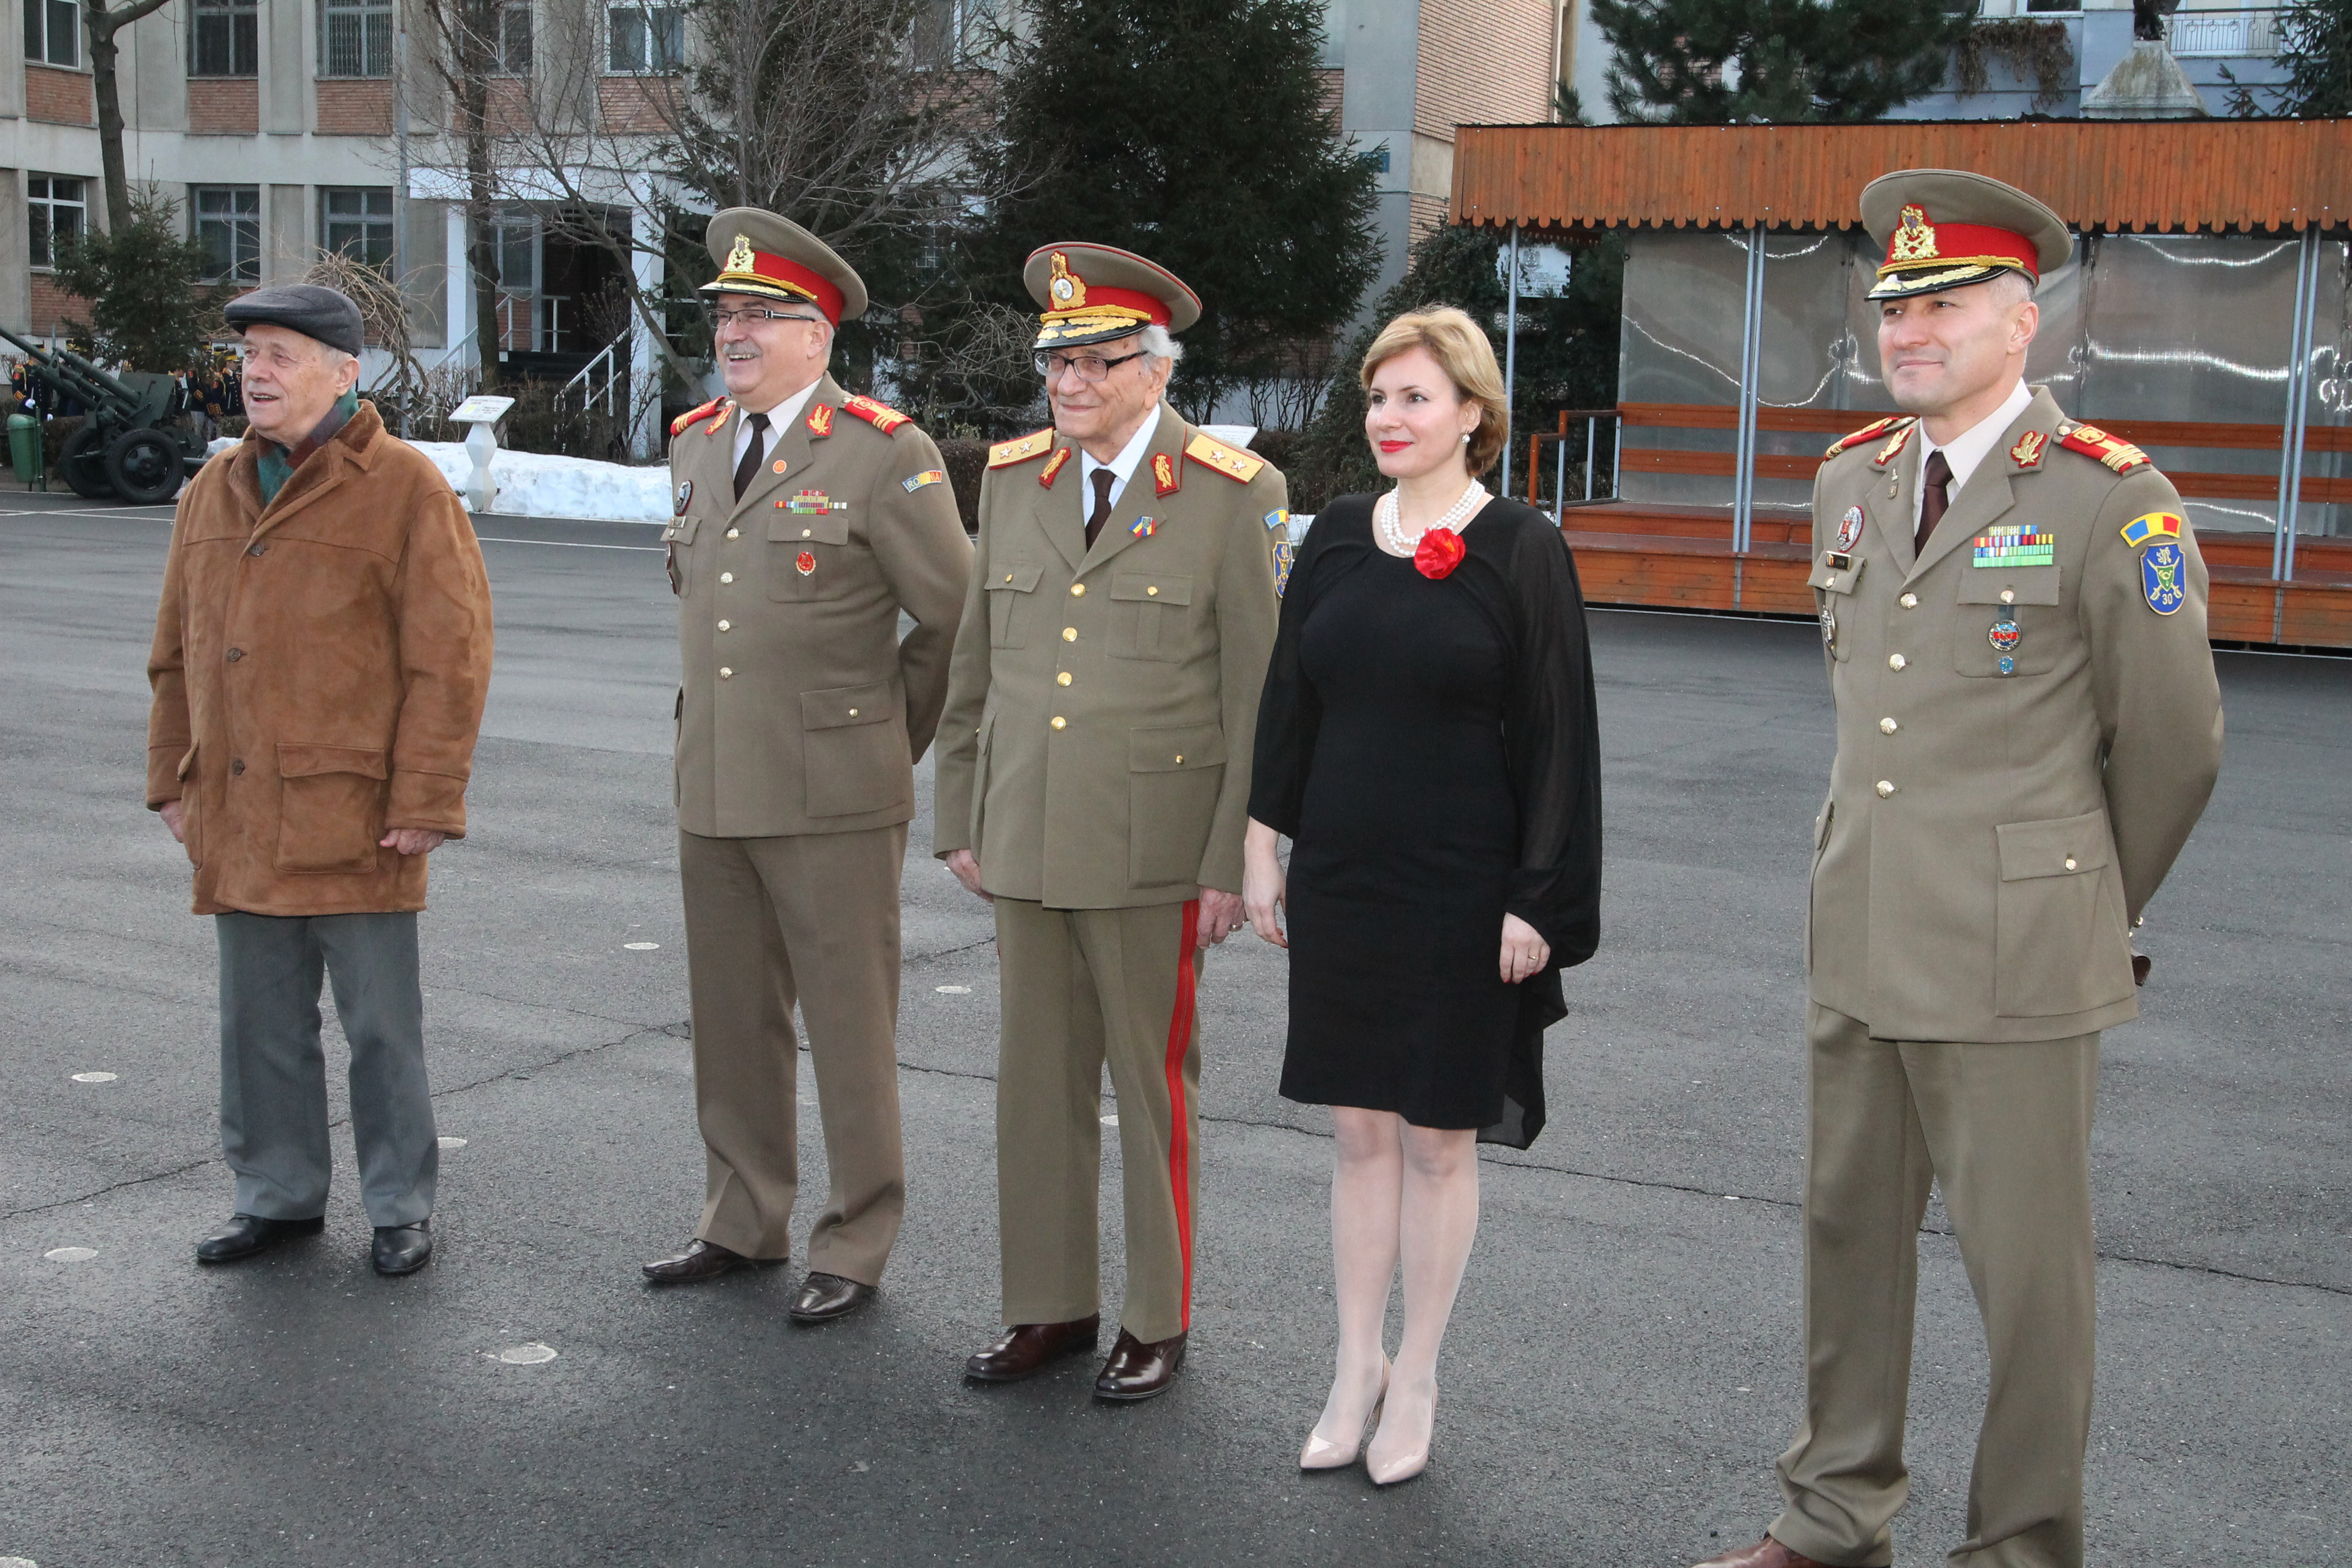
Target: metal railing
[[1561, 440], [2252, 33], [613, 359]]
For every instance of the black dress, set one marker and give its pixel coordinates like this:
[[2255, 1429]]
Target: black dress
[[1429, 745]]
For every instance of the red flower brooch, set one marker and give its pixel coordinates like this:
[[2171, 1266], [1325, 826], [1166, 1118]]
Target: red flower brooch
[[1441, 550]]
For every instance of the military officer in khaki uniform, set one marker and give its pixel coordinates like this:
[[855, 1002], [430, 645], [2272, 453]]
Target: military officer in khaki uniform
[[2013, 610], [1094, 782], [807, 521]]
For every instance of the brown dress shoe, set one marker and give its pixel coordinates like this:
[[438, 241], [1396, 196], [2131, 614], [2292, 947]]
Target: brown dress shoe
[[1766, 1553], [1023, 1350], [702, 1260], [824, 1296], [1139, 1371]]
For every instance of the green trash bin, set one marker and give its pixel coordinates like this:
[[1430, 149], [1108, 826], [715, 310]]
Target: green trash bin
[[24, 449]]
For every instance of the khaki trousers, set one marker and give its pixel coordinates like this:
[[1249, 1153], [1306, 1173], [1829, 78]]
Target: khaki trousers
[[1083, 988], [810, 919], [2005, 1130]]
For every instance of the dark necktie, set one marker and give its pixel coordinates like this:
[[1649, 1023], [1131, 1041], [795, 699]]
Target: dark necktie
[[758, 449], [1101, 514], [1935, 495]]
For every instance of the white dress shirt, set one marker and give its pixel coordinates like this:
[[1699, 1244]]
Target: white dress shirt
[[781, 415], [1966, 449], [1122, 467]]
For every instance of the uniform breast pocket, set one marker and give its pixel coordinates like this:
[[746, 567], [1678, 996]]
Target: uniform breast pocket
[[1835, 573], [807, 554], [2007, 622], [1173, 776], [1012, 605], [2060, 945], [1151, 615]]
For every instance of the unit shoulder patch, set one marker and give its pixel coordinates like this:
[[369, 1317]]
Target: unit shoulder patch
[[881, 415], [678, 425], [2112, 450], [1870, 432], [1021, 449], [1234, 464]]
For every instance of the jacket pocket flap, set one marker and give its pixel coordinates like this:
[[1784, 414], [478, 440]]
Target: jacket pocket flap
[[1013, 580], [1157, 588], [298, 761], [808, 528], [1831, 577], [2065, 846], [1175, 749], [2032, 585], [680, 530], [845, 705]]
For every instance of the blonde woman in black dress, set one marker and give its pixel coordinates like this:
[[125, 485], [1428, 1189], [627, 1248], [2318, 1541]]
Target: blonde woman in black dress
[[1427, 741]]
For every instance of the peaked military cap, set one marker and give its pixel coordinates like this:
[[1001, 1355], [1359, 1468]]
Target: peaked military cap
[[1946, 229], [776, 259], [1093, 293]]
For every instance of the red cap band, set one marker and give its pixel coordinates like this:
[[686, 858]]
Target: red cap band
[[1962, 244], [1153, 309], [775, 268]]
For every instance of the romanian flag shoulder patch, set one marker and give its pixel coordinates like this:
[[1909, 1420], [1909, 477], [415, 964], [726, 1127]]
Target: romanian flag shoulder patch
[[2153, 526], [914, 482]]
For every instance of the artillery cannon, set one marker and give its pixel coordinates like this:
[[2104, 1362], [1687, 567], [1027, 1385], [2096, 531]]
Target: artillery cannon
[[135, 443]]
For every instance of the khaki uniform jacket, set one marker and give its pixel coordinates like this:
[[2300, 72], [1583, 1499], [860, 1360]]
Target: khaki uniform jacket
[[1097, 743], [1989, 837], [801, 711], [320, 667]]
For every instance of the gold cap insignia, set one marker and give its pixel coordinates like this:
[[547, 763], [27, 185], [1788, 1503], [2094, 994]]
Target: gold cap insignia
[[1067, 289], [740, 259], [1915, 237]]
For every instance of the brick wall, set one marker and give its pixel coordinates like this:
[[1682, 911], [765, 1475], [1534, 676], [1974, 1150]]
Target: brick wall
[[51, 305], [1428, 215], [1334, 81], [224, 105], [629, 104], [354, 108], [61, 97], [510, 105], [1483, 62]]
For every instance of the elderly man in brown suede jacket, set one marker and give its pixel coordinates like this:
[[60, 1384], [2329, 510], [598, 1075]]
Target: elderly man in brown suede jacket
[[322, 656]]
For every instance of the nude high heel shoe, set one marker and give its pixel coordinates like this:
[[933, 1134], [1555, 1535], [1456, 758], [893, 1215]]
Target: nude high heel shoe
[[1323, 1455], [1405, 1465]]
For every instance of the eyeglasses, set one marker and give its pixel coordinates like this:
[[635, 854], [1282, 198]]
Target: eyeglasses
[[1090, 367], [754, 313]]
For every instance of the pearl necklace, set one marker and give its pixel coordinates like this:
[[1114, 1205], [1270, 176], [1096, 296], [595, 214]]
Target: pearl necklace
[[1384, 516]]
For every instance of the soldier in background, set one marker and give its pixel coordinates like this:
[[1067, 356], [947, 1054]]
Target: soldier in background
[[1094, 782], [2013, 611]]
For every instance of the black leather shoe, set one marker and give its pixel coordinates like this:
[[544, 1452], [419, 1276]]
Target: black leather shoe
[[824, 1296], [1139, 1371], [403, 1248], [1025, 1349], [246, 1233], [702, 1260]]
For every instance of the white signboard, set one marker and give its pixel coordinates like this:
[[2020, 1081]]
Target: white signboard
[[480, 410]]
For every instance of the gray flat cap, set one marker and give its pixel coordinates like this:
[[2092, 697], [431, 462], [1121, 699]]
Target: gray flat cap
[[310, 309]]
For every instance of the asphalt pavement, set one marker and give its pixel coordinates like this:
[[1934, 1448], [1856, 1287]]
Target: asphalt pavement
[[1625, 1361]]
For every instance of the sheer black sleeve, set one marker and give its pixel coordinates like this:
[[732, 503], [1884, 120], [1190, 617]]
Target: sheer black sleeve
[[1289, 713]]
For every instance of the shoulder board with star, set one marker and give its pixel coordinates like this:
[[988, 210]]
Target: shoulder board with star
[[678, 425], [881, 415], [1036, 444], [1870, 432], [2112, 450], [1212, 453]]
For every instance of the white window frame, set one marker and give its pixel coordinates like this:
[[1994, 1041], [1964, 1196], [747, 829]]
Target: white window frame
[[649, 24], [366, 217], [243, 224], [42, 19], [370, 21], [40, 239]]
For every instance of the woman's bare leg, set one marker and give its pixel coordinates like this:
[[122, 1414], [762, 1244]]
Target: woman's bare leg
[[1437, 1221], [1367, 1184]]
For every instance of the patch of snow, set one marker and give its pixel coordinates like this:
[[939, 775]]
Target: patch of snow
[[534, 484]]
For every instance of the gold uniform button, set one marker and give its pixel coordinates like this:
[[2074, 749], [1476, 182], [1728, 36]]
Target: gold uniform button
[[734, 534], [725, 673], [1008, 577], [805, 533], [2069, 862], [1909, 601], [726, 576], [853, 712], [1887, 726], [2009, 595], [1896, 661], [1885, 789], [1077, 590], [1060, 722], [724, 626], [1180, 759], [1069, 634], [1152, 592], [1062, 678]]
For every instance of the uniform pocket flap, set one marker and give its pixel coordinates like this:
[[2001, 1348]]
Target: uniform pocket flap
[[1175, 749], [2066, 847], [847, 705], [1835, 571], [680, 529], [298, 761], [1013, 580], [1987, 585], [788, 527], [1156, 588]]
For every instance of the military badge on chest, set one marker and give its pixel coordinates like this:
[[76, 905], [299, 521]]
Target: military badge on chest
[[1828, 625], [684, 496], [1849, 533], [2005, 637]]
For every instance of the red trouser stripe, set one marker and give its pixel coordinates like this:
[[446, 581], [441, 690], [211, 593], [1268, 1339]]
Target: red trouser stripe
[[1180, 1151]]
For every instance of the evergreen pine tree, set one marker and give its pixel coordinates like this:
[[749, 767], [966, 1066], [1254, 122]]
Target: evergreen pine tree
[[1724, 62], [144, 282], [2316, 46]]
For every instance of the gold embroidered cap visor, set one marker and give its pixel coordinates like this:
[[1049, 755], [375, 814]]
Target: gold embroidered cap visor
[[772, 258], [1094, 293], [1946, 229]]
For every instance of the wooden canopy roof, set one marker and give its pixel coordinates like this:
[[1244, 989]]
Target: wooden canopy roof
[[2169, 175]]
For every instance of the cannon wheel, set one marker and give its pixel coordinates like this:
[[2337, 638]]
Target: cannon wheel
[[145, 467], [83, 464]]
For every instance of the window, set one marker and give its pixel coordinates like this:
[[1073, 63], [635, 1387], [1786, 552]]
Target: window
[[52, 32], [511, 41], [647, 39], [222, 41], [359, 222], [229, 225], [518, 231], [354, 38], [54, 210]]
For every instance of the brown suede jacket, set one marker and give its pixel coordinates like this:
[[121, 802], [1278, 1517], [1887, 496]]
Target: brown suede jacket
[[320, 669]]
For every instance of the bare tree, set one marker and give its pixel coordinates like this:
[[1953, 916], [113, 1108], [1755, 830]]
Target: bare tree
[[460, 49], [102, 25]]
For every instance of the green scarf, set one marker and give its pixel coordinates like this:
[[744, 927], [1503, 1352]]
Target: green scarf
[[277, 465]]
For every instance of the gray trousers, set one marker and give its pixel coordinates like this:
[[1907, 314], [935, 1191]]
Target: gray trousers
[[274, 1072]]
